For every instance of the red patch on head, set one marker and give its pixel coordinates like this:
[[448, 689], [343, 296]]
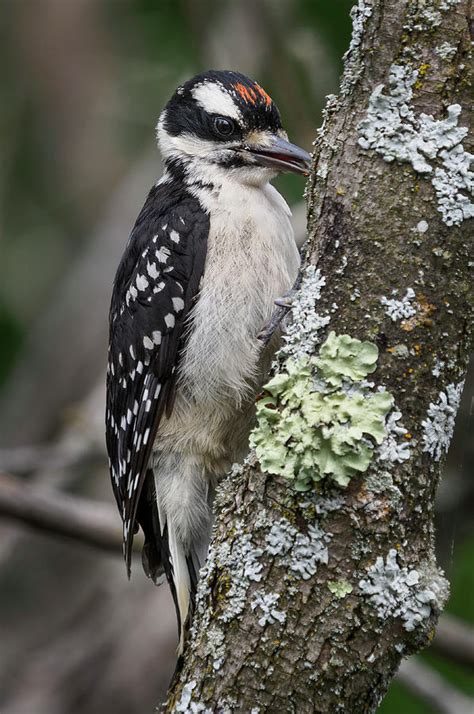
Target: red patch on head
[[263, 94], [251, 94]]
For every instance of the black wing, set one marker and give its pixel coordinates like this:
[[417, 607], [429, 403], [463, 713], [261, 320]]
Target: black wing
[[154, 289]]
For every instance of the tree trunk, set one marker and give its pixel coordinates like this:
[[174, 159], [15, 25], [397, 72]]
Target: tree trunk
[[322, 573]]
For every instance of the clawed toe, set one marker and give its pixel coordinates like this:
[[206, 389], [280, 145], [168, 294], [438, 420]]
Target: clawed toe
[[286, 300]]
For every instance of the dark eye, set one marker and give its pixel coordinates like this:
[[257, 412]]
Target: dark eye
[[224, 126]]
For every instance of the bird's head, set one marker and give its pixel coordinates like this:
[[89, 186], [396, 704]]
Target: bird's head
[[223, 121]]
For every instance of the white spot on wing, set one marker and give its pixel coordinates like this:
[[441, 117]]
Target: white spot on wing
[[147, 343], [142, 282], [174, 235], [158, 288], [169, 319], [152, 271], [162, 254], [178, 304]]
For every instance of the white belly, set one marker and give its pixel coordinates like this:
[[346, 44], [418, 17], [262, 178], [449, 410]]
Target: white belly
[[251, 260]]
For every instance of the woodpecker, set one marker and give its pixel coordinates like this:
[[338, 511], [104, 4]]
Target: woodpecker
[[211, 251]]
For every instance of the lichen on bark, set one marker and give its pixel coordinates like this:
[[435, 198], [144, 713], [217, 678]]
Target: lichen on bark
[[320, 418], [309, 600]]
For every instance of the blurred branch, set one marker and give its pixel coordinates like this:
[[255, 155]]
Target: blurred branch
[[455, 640], [25, 459], [433, 689], [94, 524]]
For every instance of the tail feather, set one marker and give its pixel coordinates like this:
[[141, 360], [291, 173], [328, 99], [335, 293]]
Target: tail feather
[[148, 518], [182, 583], [156, 555], [174, 546]]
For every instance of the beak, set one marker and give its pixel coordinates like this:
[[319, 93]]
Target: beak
[[281, 155]]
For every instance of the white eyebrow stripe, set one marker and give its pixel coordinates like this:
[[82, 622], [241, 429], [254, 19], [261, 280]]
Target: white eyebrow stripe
[[215, 100]]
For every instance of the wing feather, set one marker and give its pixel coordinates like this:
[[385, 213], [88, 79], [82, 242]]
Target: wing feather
[[155, 287]]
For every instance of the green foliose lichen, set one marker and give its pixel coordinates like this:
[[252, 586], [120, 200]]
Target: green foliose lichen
[[340, 588], [343, 356], [319, 420]]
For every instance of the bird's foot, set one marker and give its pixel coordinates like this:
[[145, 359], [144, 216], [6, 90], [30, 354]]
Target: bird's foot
[[287, 299], [283, 304]]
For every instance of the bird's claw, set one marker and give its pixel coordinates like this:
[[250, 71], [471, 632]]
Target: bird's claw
[[286, 300], [283, 305]]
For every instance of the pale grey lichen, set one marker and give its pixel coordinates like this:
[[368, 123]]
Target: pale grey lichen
[[240, 560], [299, 552], [396, 132], [322, 171], [185, 705], [437, 367], [353, 57], [309, 550], [340, 270], [428, 15], [215, 646], [398, 309], [438, 427], [389, 125], [399, 592], [446, 51], [301, 335], [449, 180], [381, 483], [421, 227], [327, 504], [428, 18], [266, 602], [400, 351], [280, 538], [392, 449]]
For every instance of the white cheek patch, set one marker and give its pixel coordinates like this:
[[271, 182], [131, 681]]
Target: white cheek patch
[[183, 144], [215, 100]]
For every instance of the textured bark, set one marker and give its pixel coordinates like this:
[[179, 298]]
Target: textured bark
[[316, 616]]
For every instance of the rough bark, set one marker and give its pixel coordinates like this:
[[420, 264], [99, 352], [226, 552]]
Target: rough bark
[[309, 600]]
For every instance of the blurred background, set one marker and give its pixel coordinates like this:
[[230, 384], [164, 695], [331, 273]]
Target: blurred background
[[82, 83]]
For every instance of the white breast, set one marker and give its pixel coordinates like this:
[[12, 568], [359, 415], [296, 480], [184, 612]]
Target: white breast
[[251, 260]]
